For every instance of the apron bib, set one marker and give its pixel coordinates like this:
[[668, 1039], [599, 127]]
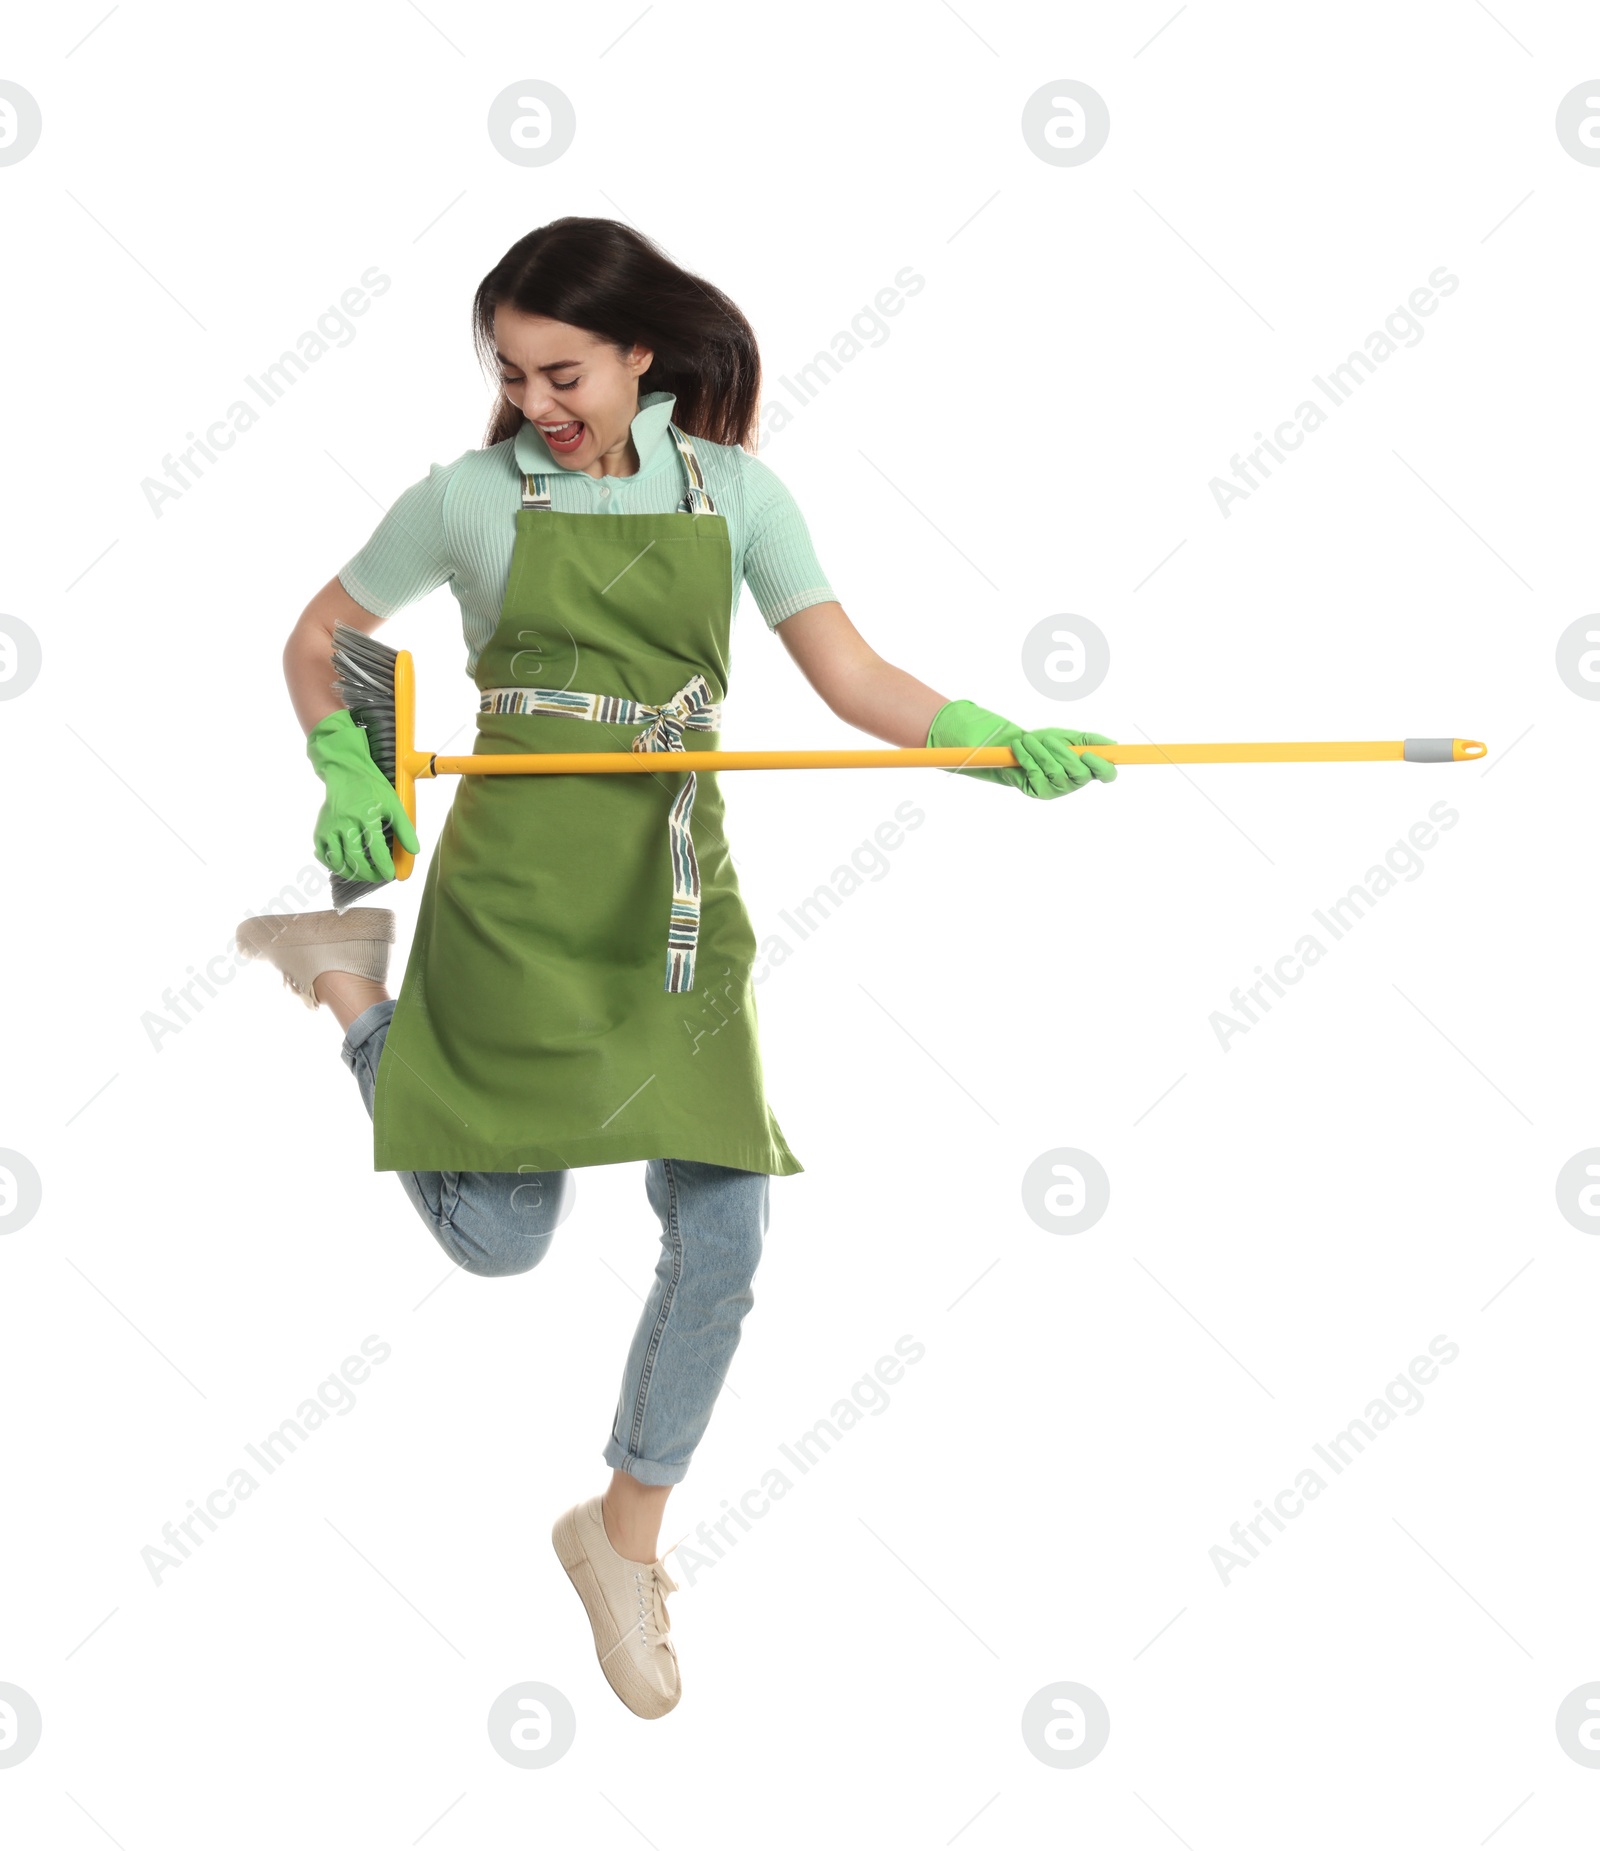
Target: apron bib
[[578, 989]]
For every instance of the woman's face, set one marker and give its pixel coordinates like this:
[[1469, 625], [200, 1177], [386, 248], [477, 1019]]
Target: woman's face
[[581, 392]]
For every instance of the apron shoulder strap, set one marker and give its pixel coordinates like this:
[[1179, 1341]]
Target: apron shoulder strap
[[536, 488], [696, 501]]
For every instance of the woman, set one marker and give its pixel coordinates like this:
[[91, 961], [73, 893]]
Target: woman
[[579, 984]]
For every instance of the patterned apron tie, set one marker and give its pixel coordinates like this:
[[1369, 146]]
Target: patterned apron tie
[[691, 707]]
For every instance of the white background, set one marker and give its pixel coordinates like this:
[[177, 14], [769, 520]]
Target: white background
[[1372, 1165]]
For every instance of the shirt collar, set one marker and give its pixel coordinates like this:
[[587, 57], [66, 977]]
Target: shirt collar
[[648, 429]]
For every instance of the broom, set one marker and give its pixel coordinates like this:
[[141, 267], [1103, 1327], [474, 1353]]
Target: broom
[[376, 683]]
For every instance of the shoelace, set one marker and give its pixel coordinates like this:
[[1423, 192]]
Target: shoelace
[[657, 1623], [654, 1621]]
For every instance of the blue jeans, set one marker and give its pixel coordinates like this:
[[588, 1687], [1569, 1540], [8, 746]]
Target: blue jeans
[[713, 1219]]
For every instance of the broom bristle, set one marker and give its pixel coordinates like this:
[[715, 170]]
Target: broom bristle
[[364, 681]]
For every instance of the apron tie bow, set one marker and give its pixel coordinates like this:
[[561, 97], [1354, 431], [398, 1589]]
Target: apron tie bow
[[665, 732]]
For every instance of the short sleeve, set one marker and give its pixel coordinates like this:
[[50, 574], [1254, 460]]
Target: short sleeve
[[407, 555], [780, 564]]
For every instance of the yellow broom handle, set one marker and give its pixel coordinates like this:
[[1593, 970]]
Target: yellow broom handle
[[405, 753], [411, 764], [1245, 752]]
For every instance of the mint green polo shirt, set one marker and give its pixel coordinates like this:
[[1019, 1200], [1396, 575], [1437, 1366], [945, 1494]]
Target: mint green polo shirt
[[458, 524]]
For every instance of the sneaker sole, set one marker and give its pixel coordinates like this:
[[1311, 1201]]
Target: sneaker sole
[[642, 1698]]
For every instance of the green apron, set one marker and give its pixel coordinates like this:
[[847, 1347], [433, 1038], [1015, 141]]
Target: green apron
[[579, 985]]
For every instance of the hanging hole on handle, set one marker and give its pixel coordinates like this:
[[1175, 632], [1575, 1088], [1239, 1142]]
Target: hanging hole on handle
[[1473, 748]]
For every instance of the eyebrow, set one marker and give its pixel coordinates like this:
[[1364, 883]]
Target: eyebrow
[[555, 366]]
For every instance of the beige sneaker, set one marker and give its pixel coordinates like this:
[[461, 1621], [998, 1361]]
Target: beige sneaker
[[627, 1611], [304, 945]]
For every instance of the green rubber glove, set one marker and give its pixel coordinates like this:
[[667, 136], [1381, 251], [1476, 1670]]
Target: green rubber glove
[[360, 800], [1046, 764]]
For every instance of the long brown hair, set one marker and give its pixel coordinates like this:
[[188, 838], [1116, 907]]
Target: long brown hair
[[611, 281]]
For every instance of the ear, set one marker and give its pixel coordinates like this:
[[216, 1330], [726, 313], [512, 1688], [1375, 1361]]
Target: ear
[[643, 358]]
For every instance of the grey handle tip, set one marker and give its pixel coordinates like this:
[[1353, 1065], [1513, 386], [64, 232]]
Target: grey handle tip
[[1429, 751]]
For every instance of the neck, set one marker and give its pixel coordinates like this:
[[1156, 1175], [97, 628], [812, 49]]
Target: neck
[[621, 459]]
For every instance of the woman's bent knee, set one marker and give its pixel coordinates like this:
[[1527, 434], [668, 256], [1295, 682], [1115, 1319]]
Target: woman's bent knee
[[489, 1251], [493, 1225], [499, 1262]]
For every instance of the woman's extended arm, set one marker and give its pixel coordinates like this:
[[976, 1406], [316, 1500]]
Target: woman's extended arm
[[308, 654], [855, 681], [885, 701]]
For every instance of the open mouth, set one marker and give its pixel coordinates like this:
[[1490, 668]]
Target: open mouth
[[563, 437]]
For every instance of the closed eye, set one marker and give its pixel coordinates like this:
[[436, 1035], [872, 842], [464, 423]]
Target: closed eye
[[559, 385]]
